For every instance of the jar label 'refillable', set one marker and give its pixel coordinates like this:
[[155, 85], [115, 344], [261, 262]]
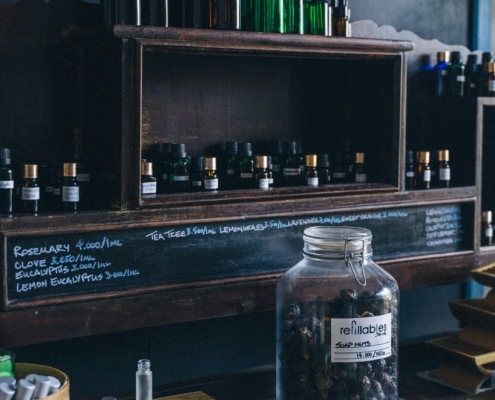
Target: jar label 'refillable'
[[361, 339]]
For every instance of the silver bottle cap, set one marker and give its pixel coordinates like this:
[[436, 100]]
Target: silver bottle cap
[[42, 388], [54, 384], [7, 391], [25, 390]]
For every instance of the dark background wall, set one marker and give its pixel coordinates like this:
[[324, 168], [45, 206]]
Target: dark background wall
[[35, 88]]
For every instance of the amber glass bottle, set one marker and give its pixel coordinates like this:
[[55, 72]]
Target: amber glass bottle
[[261, 173]]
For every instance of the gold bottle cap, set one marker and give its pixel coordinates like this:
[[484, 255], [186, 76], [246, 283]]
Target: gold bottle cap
[[424, 157], [30, 171], [443, 155], [443, 56], [210, 163], [146, 168], [359, 158], [70, 169], [260, 162], [490, 67], [311, 160], [487, 216]]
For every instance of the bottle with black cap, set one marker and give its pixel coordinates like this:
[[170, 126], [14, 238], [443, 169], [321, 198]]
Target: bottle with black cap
[[245, 166], [339, 173], [410, 171], [197, 174], [455, 75], [302, 159], [471, 73], [277, 162], [163, 184], [270, 171], [30, 189], [324, 175], [70, 188], [292, 165], [228, 169], [6, 183], [179, 168], [148, 181], [210, 177]]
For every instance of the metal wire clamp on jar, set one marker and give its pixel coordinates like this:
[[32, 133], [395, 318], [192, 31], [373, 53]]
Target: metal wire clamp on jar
[[337, 314]]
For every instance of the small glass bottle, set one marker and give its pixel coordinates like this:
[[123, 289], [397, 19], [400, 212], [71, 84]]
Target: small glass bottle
[[292, 165], [410, 171], [311, 171], [163, 182], [490, 79], [148, 181], [272, 20], [261, 174], [349, 161], [341, 15], [337, 316], [324, 174], [434, 168], [210, 174], [197, 174], [270, 171], [471, 73], [245, 166], [486, 59], [455, 75], [487, 229], [30, 190], [70, 188], [231, 15], [423, 175], [339, 173], [293, 16], [443, 60], [144, 381], [6, 183], [360, 171], [443, 168], [318, 14], [255, 15], [278, 163], [300, 154], [178, 171], [228, 175]]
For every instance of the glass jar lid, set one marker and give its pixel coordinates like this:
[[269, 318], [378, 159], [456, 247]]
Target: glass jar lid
[[321, 240]]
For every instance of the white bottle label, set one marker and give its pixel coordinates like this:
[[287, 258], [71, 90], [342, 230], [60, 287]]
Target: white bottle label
[[339, 175], [196, 183], [246, 175], [264, 184], [270, 181], [313, 182], [230, 172], [361, 339], [489, 232], [276, 168], [461, 78], [30, 193], [211, 184], [56, 191], [6, 184], [70, 193], [410, 174], [148, 188], [491, 86], [181, 178], [427, 175], [361, 178], [292, 171], [48, 189], [83, 177], [445, 174]]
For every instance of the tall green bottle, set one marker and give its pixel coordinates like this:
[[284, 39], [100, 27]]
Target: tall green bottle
[[318, 16], [293, 16], [273, 12]]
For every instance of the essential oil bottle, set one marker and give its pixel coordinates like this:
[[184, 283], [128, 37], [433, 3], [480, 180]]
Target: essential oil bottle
[[30, 189], [70, 188], [245, 166], [163, 182], [339, 174], [471, 74], [6, 183], [349, 160], [228, 174], [178, 168], [311, 171], [487, 229], [455, 75], [324, 175], [360, 170], [490, 79], [443, 168], [261, 174], [410, 171], [278, 163], [423, 170], [270, 171], [440, 69], [292, 165], [148, 181], [197, 173], [210, 176]]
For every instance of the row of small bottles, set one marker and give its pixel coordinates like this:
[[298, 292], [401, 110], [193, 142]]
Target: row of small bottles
[[421, 173], [239, 169], [28, 194], [451, 77], [319, 17]]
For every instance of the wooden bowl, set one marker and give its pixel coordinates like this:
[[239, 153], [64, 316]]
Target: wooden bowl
[[22, 370]]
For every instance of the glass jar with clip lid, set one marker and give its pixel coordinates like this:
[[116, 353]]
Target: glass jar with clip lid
[[337, 321]]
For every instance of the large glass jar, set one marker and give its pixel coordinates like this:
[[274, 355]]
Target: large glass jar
[[337, 321]]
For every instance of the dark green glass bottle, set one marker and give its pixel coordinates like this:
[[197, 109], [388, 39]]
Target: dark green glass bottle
[[255, 14], [245, 166], [178, 175], [318, 17], [293, 16], [272, 16], [455, 75]]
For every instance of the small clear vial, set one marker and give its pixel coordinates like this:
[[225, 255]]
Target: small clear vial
[[210, 177], [487, 229], [423, 170], [443, 168], [360, 171], [311, 173], [70, 188], [144, 381], [30, 190], [148, 181], [261, 174]]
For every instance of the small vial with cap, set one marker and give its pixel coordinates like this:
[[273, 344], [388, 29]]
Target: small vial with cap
[[423, 176], [261, 174], [144, 381], [70, 188], [30, 190], [148, 181], [443, 168], [210, 177], [25, 389], [311, 172], [487, 229]]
